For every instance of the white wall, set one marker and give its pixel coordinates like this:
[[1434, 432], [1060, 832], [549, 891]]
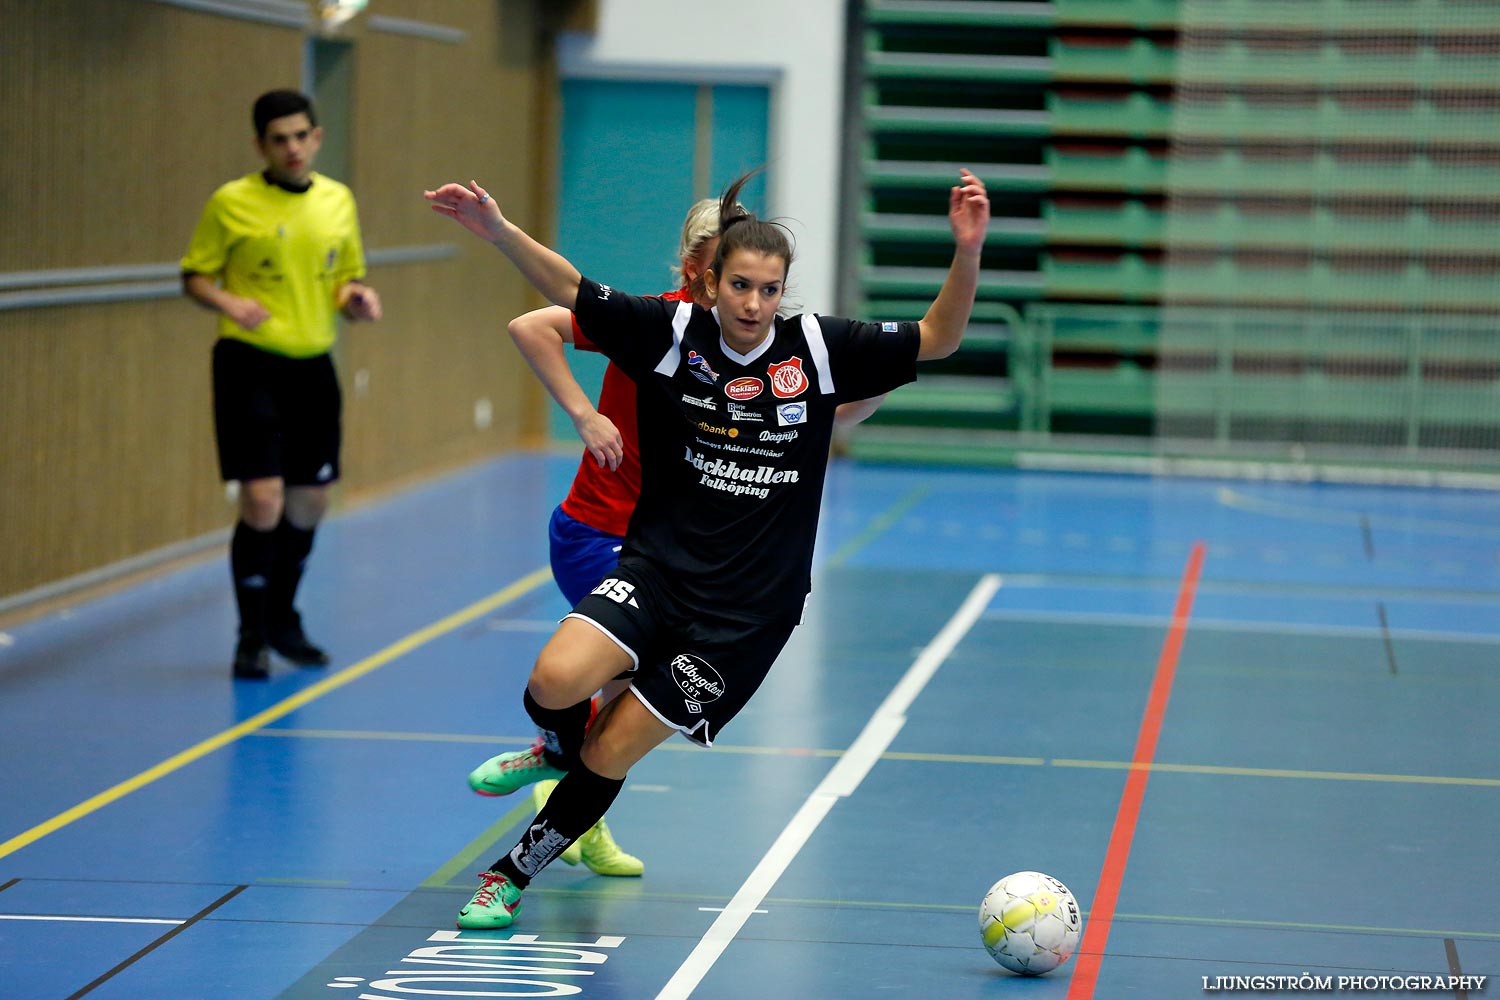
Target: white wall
[[795, 45]]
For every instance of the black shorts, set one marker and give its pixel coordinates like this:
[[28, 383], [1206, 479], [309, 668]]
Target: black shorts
[[276, 416], [693, 671]]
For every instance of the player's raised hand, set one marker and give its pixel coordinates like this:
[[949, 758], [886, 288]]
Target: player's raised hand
[[968, 212], [471, 207]]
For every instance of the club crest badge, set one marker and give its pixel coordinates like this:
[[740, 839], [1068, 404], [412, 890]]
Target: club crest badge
[[787, 378]]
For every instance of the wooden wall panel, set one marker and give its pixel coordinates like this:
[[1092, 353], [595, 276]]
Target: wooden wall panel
[[108, 444], [451, 112], [121, 117]]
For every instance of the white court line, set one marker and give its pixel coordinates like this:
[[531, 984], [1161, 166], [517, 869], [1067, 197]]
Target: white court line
[[89, 920], [840, 782]]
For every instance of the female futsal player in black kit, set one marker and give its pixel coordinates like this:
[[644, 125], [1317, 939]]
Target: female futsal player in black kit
[[735, 407]]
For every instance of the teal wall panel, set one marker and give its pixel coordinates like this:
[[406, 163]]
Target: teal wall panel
[[627, 163], [627, 177], [741, 124]]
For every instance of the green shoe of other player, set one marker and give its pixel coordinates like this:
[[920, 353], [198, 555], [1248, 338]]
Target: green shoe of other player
[[495, 905], [504, 774], [596, 848], [603, 855]]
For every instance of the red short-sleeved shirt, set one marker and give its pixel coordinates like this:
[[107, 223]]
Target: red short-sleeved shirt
[[599, 498]]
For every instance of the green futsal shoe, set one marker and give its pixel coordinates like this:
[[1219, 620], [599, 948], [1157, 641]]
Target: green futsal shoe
[[603, 855], [504, 774], [540, 793], [497, 904], [596, 848]]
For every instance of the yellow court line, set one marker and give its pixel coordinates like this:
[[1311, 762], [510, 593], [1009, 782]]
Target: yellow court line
[[381, 734], [964, 758], [472, 851], [1272, 772], [1276, 925], [939, 758], [410, 737], [1322, 515], [282, 708], [882, 523], [1166, 918]]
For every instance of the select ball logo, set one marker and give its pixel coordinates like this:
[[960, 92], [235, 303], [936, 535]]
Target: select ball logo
[[696, 679], [787, 379], [744, 388]]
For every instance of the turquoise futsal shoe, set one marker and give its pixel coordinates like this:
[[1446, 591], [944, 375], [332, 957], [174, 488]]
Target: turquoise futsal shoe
[[505, 773], [497, 904]]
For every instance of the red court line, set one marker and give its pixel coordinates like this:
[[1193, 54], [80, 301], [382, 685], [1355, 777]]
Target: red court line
[[1102, 912]]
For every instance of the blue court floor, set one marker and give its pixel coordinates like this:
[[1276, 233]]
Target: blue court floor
[[1250, 724]]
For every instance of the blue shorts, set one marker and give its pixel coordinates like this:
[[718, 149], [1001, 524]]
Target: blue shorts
[[581, 556]]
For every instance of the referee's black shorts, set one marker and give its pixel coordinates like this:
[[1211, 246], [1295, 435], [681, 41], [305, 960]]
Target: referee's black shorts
[[693, 671], [276, 416]]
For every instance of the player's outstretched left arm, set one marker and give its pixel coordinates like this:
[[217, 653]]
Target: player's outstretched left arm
[[969, 217], [472, 207]]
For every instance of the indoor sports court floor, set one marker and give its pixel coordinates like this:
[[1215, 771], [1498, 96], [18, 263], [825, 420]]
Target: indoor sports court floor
[[1251, 725]]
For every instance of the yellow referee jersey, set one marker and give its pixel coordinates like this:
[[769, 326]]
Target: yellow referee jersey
[[289, 251]]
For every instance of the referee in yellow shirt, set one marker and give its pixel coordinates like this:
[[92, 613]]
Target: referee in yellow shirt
[[275, 254]]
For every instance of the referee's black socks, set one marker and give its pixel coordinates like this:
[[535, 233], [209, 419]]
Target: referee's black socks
[[561, 730], [251, 557], [291, 548], [578, 802]]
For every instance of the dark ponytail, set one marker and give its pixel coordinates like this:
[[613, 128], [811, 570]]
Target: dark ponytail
[[739, 229]]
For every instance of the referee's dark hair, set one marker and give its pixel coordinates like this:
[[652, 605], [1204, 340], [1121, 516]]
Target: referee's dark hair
[[739, 229], [274, 104]]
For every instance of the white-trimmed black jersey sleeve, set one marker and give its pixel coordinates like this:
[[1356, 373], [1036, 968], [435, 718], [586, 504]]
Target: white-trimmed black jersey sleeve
[[867, 359], [633, 331]]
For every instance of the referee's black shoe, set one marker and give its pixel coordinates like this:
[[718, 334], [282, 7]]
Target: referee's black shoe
[[252, 659], [288, 639]]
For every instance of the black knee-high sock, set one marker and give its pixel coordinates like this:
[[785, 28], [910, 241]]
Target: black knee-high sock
[[251, 554], [578, 802], [561, 730], [293, 544]]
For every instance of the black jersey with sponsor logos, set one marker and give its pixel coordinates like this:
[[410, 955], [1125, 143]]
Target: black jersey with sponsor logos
[[734, 446]]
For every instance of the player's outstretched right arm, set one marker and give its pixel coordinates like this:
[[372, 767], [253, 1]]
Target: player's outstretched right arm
[[473, 208], [540, 336]]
